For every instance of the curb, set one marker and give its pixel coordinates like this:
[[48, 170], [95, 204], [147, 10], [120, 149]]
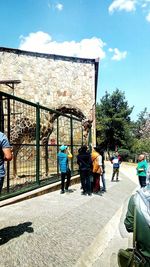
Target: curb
[[37, 192], [95, 250]]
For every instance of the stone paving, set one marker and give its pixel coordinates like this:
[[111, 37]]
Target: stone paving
[[69, 229]]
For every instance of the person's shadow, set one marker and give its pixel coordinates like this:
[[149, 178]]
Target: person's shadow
[[14, 231]]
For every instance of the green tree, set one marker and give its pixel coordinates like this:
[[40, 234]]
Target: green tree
[[141, 131], [140, 124], [113, 121]]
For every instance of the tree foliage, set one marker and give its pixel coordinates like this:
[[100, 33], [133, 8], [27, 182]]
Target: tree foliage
[[113, 121], [142, 133], [142, 125]]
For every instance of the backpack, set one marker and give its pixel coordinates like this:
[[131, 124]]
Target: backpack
[[130, 257]]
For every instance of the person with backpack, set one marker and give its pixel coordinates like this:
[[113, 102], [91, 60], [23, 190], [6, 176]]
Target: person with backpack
[[116, 161], [5, 155], [85, 166], [97, 169], [138, 221]]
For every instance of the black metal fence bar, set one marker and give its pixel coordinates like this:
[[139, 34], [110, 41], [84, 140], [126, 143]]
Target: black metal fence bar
[[37, 143], [36, 133]]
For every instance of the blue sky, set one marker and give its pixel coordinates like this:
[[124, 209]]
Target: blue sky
[[116, 31]]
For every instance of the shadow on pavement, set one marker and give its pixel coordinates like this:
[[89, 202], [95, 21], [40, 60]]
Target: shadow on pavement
[[11, 232]]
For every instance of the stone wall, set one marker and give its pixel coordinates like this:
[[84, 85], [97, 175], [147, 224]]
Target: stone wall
[[51, 80]]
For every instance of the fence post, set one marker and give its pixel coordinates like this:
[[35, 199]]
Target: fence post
[[8, 135], [57, 145], [90, 140], [38, 144], [1, 114], [71, 130]]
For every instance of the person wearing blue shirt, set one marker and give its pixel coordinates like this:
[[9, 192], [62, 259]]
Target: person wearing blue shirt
[[64, 167], [5, 155]]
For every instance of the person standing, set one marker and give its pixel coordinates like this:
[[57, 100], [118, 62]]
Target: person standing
[[64, 167], [85, 166], [5, 155], [116, 161], [97, 169], [102, 163], [142, 170]]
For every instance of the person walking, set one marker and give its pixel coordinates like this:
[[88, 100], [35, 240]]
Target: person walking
[[97, 169], [137, 220], [5, 155], [63, 156], [116, 161], [85, 166], [142, 170]]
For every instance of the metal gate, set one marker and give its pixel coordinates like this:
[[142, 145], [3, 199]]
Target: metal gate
[[35, 134]]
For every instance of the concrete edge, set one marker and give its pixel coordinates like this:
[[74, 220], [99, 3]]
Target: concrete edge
[[37, 192], [100, 243]]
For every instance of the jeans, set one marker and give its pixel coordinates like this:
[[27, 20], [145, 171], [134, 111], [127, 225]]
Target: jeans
[[85, 181], [142, 181], [103, 181], [65, 175], [1, 183], [115, 171]]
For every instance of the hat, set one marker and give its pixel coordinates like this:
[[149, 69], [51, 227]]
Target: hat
[[62, 148]]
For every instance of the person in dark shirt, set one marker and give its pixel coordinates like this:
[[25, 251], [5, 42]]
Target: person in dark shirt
[[85, 166]]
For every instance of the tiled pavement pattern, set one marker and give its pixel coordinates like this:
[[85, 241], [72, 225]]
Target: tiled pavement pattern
[[67, 230]]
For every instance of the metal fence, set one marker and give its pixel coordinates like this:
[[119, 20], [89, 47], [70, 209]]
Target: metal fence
[[36, 133]]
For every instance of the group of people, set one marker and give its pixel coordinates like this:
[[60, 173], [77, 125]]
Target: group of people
[[91, 169]]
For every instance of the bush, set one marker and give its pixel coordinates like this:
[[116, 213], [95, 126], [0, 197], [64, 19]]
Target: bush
[[125, 154]]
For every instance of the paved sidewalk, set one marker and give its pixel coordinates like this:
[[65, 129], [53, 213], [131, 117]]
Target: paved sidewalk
[[64, 230]]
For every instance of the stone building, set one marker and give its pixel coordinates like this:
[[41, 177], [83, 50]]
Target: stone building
[[51, 80]]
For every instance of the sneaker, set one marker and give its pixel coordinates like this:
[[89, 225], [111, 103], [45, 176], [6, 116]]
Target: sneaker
[[103, 190], [83, 193], [62, 192]]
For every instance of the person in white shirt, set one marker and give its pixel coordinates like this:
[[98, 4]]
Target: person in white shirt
[[116, 161]]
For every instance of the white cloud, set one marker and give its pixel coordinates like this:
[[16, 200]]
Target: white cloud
[[59, 6], [130, 5], [127, 5], [118, 55], [42, 42], [148, 17]]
